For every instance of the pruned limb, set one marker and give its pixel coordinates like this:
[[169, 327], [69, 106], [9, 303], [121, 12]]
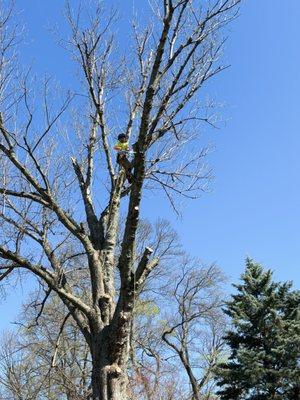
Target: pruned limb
[[146, 265]]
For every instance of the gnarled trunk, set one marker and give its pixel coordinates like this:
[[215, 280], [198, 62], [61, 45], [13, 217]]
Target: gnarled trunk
[[108, 382], [109, 375]]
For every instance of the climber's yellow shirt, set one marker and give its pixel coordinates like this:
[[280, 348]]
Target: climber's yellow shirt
[[121, 146]]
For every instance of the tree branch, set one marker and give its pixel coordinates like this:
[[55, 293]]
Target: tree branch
[[46, 276]]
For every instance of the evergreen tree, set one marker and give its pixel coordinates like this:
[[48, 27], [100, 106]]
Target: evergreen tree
[[264, 341]]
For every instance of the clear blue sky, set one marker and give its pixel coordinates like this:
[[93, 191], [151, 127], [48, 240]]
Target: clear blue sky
[[254, 208]]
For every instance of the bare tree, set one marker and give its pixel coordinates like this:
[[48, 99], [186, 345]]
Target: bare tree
[[178, 334], [57, 206], [195, 331], [47, 359]]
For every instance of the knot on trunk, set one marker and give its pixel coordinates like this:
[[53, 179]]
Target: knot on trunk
[[113, 370], [124, 317], [104, 299]]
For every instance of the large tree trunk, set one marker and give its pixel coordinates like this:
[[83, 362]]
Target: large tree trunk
[[108, 382], [109, 358]]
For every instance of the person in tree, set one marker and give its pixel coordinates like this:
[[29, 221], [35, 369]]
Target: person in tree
[[264, 341], [122, 147]]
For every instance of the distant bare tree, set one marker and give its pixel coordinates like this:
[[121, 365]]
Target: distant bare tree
[[195, 331], [61, 193], [48, 359]]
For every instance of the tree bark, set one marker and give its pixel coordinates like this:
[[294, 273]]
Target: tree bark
[[109, 373]]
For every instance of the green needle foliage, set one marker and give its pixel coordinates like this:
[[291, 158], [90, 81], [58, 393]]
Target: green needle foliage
[[264, 342]]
